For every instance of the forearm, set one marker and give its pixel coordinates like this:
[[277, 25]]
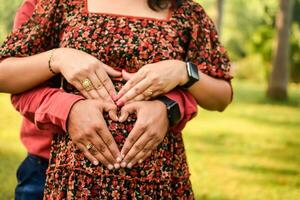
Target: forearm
[[46, 107], [211, 93], [21, 74]]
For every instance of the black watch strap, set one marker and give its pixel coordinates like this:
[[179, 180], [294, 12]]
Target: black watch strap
[[173, 109], [193, 74]]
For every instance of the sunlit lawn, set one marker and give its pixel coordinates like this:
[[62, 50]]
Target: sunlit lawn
[[249, 152]]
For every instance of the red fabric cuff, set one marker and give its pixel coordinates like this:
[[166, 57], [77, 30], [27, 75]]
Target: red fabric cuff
[[54, 114]]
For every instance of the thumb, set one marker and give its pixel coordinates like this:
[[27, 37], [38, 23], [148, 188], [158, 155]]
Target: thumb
[[127, 75], [112, 72], [126, 110]]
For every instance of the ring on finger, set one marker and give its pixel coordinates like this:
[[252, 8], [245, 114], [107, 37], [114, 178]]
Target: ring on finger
[[87, 84], [149, 92], [89, 146]]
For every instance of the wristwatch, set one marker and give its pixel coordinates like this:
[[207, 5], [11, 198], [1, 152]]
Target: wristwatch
[[193, 75], [173, 110]]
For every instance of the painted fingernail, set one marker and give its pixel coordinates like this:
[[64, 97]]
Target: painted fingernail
[[119, 159], [123, 164], [110, 167], [117, 166], [120, 103], [129, 165], [115, 97], [95, 162]]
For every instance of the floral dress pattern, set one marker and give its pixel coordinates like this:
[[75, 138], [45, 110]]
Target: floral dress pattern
[[122, 42]]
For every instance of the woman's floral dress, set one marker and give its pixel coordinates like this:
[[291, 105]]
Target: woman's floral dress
[[122, 42]]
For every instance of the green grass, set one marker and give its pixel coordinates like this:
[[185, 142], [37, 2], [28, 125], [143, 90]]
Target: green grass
[[249, 152]]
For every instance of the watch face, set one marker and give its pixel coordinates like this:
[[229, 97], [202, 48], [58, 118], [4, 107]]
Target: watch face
[[193, 71], [173, 109], [193, 74]]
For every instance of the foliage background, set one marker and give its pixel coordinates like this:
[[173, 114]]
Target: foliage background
[[250, 151]]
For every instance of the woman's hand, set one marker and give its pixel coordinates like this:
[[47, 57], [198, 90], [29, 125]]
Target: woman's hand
[[77, 67], [152, 80], [148, 132]]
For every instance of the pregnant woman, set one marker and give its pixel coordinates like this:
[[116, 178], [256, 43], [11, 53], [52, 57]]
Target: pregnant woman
[[153, 38]]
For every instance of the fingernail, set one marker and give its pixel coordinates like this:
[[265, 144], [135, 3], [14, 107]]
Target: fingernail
[[123, 164], [122, 156], [120, 103], [95, 162], [129, 165], [119, 159], [117, 165], [140, 161], [115, 97], [110, 167]]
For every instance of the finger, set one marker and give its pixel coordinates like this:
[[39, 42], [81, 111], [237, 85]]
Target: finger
[[96, 84], [139, 88], [112, 110], [111, 72], [105, 96], [136, 133], [109, 141], [79, 87], [135, 149], [98, 151], [126, 75], [140, 75], [106, 81], [87, 154], [126, 110], [142, 155], [113, 115]]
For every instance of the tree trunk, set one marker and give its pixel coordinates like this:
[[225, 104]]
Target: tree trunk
[[279, 76], [220, 7]]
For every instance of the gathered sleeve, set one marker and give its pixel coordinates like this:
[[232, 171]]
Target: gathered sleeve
[[39, 34], [204, 48]]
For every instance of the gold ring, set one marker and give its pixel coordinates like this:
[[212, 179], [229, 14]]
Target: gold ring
[[149, 92], [87, 84], [89, 146]]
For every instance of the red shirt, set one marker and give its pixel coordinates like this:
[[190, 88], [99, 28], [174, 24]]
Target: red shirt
[[43, 111]]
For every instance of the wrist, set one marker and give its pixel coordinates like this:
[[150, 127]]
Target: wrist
[[55, 60], [183, 73]]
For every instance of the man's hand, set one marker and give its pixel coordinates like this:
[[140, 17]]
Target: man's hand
[[87, 127], [148, 132]]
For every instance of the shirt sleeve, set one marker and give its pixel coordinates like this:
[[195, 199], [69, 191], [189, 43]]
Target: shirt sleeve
[[24, 13], [204, 48], [48, 108], [187, 105], [38, 34]]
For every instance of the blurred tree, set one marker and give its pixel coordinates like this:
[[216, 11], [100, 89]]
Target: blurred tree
[[277, 88], [220, 9]]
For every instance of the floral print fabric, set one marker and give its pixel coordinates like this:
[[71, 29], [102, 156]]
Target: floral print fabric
[[122, 42]]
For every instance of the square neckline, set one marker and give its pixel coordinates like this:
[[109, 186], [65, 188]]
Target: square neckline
[[169, 16]]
